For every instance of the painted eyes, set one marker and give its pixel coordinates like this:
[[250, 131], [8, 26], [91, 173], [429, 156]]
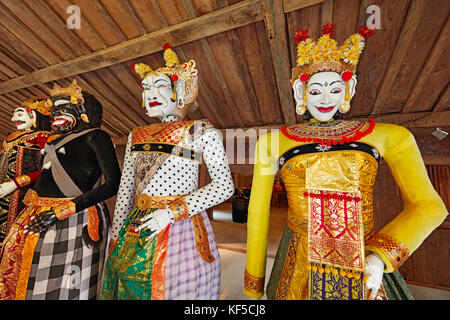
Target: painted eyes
[[316, 92], [161, 86], [336, 90]]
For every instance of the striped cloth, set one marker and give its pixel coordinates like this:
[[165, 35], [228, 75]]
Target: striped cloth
[[63, 266], [187, 275]]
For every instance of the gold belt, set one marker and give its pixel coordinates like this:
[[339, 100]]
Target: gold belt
[[32, 199], [145, 202]]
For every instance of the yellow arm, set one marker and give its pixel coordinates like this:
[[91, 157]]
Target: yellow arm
[[423, 209], [265, 168]]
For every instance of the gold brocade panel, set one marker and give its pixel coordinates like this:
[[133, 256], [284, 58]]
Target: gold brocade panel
[[351, 164]]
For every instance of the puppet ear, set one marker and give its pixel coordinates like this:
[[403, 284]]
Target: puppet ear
[[180, 89], [298, 88], [352, 86]]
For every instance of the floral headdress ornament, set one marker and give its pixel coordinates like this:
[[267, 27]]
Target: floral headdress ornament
[[326, 55], [175, 70], [38, 104], [76, 97]]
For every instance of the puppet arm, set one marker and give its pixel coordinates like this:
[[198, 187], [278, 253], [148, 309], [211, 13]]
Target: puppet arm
[[264, 172], [218, 190], [423, 209]]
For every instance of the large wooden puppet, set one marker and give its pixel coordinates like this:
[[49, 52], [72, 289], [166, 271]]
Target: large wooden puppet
[[21, 159], [329, 249], [162, 243], [56, 247]]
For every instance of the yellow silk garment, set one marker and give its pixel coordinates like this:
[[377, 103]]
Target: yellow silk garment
[[394, 243]]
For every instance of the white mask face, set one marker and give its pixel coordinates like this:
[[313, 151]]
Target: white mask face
[[157, 95], [22, 119], [325, 93]]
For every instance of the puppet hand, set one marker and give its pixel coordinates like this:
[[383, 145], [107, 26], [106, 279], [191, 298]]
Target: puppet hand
[[374, 269], [7, 188], [42, 222], [155, 222]]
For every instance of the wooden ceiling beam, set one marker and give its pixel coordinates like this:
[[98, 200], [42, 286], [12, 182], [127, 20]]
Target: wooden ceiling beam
[[228, 18], [293, 5], [278, 42], [403, 43], [439, 48], [218, 21]]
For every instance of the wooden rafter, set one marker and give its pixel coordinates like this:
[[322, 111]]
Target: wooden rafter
[[441, 45], [228, 18], [404, 42], [278, 42]]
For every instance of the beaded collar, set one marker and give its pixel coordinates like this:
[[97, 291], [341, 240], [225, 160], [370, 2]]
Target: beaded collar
[[330, 133]]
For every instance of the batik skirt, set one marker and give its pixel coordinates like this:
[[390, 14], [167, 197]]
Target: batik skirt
[[57, 264], [169, 266], [289, 279]]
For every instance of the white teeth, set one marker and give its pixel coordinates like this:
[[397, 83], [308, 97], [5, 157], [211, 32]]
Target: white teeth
[[58, 122]]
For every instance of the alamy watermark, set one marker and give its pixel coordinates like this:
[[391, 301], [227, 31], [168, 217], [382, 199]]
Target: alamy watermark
[[74, 19]]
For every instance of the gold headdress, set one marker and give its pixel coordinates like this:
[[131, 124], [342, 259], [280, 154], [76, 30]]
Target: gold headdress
[[37, 103], [75, 94], [325, 55], [175, 71]]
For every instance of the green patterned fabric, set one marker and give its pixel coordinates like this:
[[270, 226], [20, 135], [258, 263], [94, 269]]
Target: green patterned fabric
[[278, 264], [396, 287], [128, 270]]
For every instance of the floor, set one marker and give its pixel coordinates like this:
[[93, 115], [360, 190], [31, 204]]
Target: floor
[[231, 239]]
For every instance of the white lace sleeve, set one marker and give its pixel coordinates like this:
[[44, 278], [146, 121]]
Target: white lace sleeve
[[221, 186], [125, 195]]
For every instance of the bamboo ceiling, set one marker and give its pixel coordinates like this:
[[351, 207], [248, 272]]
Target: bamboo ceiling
[[244, 52]]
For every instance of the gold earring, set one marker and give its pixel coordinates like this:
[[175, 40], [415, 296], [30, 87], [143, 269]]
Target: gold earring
[[84, 117], [345, 107], [300, 109], [174, 96]]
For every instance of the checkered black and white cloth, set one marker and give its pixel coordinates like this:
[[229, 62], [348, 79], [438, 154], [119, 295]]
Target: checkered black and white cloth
[[64, 267]]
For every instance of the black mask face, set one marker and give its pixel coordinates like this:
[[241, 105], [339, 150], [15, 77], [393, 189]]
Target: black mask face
[[66, 115]]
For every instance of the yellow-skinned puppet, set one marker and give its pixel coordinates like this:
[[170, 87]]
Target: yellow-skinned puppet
[[329, 249]]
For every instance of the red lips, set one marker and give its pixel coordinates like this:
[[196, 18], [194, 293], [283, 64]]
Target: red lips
[[154, 104], [325, 109]]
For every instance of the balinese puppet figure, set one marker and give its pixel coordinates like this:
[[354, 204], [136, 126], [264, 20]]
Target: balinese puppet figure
[[162, 244], [329, 249], [21, 158], [56, 247]]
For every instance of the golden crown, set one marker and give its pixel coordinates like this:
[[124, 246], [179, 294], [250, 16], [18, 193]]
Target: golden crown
[[73, 91], [325, 54], [39, 104], [175, 71]]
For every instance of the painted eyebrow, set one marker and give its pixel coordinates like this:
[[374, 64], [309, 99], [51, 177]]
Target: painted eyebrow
[[336, 81], [315, 83], [161, 80]]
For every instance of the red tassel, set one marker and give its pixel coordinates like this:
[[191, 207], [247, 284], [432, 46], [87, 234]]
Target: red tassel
[[365, 32], [328, 29], [167, 46], [304, 77], [346, 75], [301, 35], [133, 66]]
